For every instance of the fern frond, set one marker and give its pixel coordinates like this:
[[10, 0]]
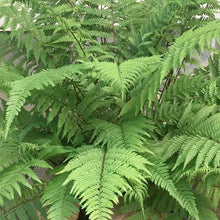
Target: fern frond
[[178, 16], [209, 127], [200, 150], [185, 87], [8, 152], [187, 198], [211, 180], [77, 77], [206, 208], [59, 200], [98, 177], [22, 89], [28, 206], [130, 134], [191, 123], [161, 177], [199, 39], [14, 176], [191, 40], [69, 115], [123, 76], [7, 77], [210, 93], [138, 193], [19, 19]]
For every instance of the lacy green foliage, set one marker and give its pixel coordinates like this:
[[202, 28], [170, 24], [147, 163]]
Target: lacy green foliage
[[27, 206], [173, 61], [183, 195], [59, 200], [130, 133], [124, 76], [7, 77], [14, 176], [161, 27], [186, 87], [198, 39], [21, 89], [99, 92], [99, 190]]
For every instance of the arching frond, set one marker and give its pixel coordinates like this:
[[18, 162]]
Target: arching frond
[[22, 89], [161, 177], [199, 39]]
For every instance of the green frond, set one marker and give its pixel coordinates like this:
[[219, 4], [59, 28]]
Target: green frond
[[13, 177], [12, 151], [199, 39], [138, 193], [210, 93], [191, 40], [117, 101], [68, 116], [26, 207], [209, 127], [187, 198], [185, 87], [163, 204], [22, 89], [191, 123], [169, 112], [130, 133], [200, 150], [123, 76], [161, 177], [7, 77], [98, 177], [19, 19], [211, 180], [214, 65], [48, 151], [8, 152], [164, 16], [57, 197]]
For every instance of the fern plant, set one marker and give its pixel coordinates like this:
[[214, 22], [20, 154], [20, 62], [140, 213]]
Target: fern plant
[[97, 96]]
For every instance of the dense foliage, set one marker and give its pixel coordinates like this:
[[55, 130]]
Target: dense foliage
[[99, 94]]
